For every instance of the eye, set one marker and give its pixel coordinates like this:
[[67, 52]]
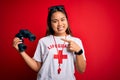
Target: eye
[[54, 21], [63, 19]]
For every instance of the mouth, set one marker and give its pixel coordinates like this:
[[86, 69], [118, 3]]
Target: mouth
[[60, 28]]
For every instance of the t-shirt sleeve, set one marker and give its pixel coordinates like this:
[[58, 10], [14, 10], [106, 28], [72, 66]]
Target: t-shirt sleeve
[[37, 54]]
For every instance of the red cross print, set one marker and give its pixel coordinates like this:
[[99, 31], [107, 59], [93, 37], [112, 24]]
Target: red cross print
[[60, 56]]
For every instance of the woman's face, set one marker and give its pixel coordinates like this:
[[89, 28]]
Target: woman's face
[[59, 23]]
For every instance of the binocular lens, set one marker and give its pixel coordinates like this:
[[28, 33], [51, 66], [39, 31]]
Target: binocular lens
[[22, 47]]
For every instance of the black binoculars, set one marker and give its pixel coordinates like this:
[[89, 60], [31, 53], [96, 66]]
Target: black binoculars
[[24, 34]]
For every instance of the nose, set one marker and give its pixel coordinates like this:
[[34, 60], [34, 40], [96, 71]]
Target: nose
[[59, 23]]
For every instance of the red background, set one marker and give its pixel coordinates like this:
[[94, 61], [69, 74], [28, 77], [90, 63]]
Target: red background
[[96, 22]]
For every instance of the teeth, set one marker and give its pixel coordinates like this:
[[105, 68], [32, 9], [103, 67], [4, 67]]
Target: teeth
[[60, 28]]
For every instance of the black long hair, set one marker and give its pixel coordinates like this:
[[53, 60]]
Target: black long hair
[[52, 10]]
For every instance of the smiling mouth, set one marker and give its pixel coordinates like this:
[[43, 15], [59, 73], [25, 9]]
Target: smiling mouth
[[60, 28]]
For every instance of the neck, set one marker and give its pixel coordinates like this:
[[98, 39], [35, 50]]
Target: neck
[[60, 34]]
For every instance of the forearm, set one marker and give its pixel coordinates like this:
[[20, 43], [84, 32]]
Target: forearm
[[34, 65], [80, 63]]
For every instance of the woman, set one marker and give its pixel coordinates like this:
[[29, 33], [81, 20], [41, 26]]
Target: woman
[[58, 51]]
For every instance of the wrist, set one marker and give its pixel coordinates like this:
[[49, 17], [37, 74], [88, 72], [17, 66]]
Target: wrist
[[21, 52], [79, 52]]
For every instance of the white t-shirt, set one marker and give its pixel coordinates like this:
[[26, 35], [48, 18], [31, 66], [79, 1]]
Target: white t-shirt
[[46, 52]]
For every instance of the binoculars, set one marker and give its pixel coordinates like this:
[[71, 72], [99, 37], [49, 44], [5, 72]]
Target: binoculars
[[24, 34]]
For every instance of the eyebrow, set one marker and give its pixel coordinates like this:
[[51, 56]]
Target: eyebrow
[[57, 19]]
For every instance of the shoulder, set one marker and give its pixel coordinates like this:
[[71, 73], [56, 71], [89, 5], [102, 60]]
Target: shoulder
[[45, 39]]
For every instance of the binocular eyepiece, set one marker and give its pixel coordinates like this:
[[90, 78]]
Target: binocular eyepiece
[[24, 34]]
